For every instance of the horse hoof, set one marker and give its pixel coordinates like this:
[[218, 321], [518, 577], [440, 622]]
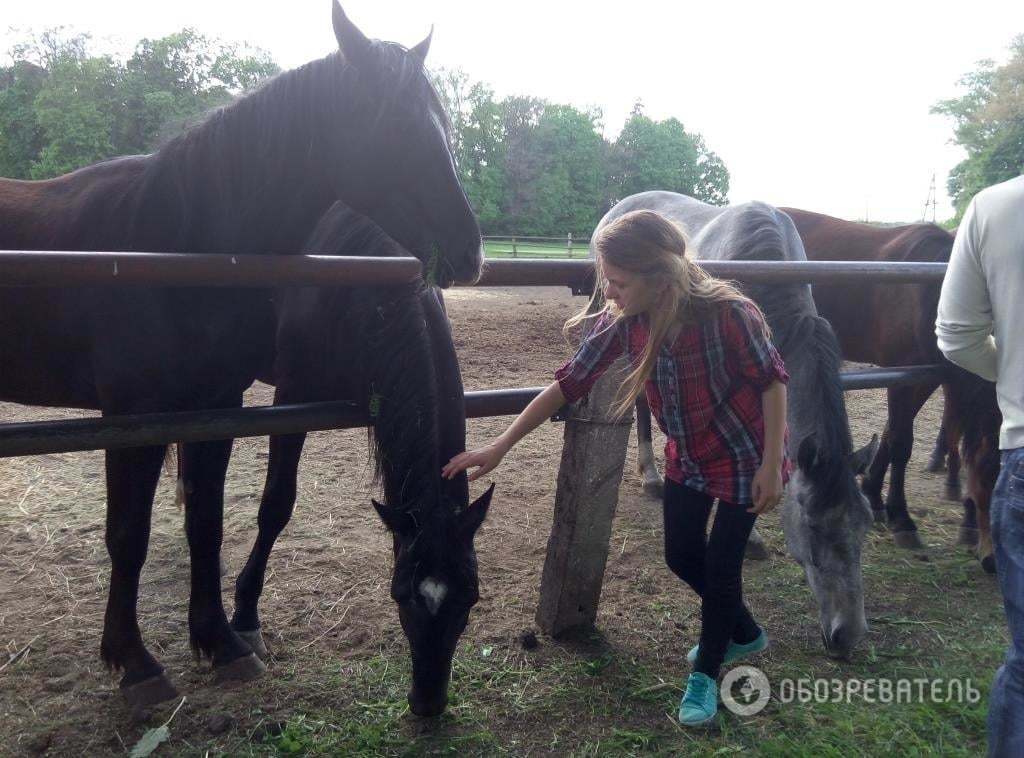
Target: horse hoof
[[756, 551], [953, 492], [149, 692], [255, 640], [989, 564], [968, 536], [908, 539], [936, 464], [654, 489], [243, 669]]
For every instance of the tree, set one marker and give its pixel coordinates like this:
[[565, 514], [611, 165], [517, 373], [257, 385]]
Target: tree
[[171, 81], [989, 125], [62, 107], [77, 109], [557, 169], [21, 138], [662, 155]]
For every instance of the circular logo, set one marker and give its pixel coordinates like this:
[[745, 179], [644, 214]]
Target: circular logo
[[745, 690]]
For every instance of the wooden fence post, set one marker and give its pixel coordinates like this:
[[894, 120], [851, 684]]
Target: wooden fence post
[[514, 248], [593, 457], [568, 243]]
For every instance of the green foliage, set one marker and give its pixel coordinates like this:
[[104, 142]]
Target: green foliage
[[662, 155], [61, 107], [989, 125], [21, 138], [531, 167]]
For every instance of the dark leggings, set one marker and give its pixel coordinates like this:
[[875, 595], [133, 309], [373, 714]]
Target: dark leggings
[[712, 566]]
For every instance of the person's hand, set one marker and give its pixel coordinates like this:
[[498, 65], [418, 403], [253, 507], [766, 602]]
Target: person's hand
[[766, 487], [486, 458]]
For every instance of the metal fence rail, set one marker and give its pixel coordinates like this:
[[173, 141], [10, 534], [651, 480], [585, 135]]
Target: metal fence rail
[[61, 269], [192, 426], [48, 269]]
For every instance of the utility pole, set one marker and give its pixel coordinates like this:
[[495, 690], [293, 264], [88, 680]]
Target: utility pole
[[931, 200]]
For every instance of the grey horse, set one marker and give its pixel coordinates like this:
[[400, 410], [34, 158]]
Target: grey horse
[[825, 517]]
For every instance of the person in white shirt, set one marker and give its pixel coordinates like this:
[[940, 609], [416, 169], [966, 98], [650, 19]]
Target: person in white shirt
[[980, 310]]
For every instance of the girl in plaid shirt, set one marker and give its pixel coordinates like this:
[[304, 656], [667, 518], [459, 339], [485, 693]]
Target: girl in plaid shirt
[[702, 352]]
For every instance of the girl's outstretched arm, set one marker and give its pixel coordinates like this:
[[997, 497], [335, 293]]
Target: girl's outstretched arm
[[486, 458]]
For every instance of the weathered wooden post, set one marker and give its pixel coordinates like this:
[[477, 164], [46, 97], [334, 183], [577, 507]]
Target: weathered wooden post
[[568, 244], [514, 248], [593, 457]]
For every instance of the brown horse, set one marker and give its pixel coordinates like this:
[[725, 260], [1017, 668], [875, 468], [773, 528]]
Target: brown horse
[[362, 125], [894, 325]]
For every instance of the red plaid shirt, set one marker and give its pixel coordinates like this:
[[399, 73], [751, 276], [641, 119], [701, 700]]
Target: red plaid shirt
[[705, 392]]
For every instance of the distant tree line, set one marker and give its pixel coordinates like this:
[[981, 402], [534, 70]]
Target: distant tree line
[[63, 107], [530, 166], [540, 168]]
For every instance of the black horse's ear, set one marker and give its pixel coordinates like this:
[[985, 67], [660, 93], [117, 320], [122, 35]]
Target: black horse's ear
[[396, 521], [807, 453], [471, 518], [421, 50], [352, 42]]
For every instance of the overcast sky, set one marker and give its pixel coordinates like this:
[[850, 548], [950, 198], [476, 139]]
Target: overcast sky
[[820, 105]]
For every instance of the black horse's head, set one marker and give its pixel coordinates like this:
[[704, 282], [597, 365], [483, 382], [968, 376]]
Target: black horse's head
[[435, 586], [392, 142]]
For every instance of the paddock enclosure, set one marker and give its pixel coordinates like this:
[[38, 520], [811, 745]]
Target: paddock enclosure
[[338, 678]]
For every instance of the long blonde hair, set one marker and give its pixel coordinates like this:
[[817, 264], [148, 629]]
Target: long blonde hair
[[648, 245]]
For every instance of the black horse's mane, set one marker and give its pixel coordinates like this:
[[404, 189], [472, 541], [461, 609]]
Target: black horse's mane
[[395, 362], [210, 179]]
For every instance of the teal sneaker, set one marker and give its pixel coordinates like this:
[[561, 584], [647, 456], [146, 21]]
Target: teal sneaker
[[735, 651], [699, 705]]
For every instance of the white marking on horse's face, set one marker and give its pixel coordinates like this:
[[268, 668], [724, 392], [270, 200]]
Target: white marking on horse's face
[[433, 593]]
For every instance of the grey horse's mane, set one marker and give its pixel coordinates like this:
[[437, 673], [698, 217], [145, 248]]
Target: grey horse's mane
[[796, 329]]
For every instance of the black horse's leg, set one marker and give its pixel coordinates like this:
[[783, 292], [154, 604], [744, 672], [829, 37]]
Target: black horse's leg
[[204, 465], [275, 511], [650, 476], [132, 476], [904, 403]]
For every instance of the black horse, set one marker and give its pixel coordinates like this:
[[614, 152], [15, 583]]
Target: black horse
[[363, 126], [390, 350]]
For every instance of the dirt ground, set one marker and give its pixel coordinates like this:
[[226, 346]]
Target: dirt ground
[[327, 589]]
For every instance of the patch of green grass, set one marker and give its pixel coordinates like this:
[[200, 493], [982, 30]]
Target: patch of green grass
[[503, 249]]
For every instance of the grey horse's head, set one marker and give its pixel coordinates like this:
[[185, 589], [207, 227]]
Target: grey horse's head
[[825, 528], [825, 515]]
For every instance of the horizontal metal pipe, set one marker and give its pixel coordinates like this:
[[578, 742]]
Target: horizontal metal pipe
[[49, 269], [64, 269], [512, 273], [162, 428], [894, 376]]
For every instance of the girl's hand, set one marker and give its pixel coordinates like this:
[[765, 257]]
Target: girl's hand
[[767, 487], [486, 457]]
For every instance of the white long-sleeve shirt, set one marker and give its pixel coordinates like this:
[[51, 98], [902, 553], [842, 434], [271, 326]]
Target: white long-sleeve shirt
[[980, 324]]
